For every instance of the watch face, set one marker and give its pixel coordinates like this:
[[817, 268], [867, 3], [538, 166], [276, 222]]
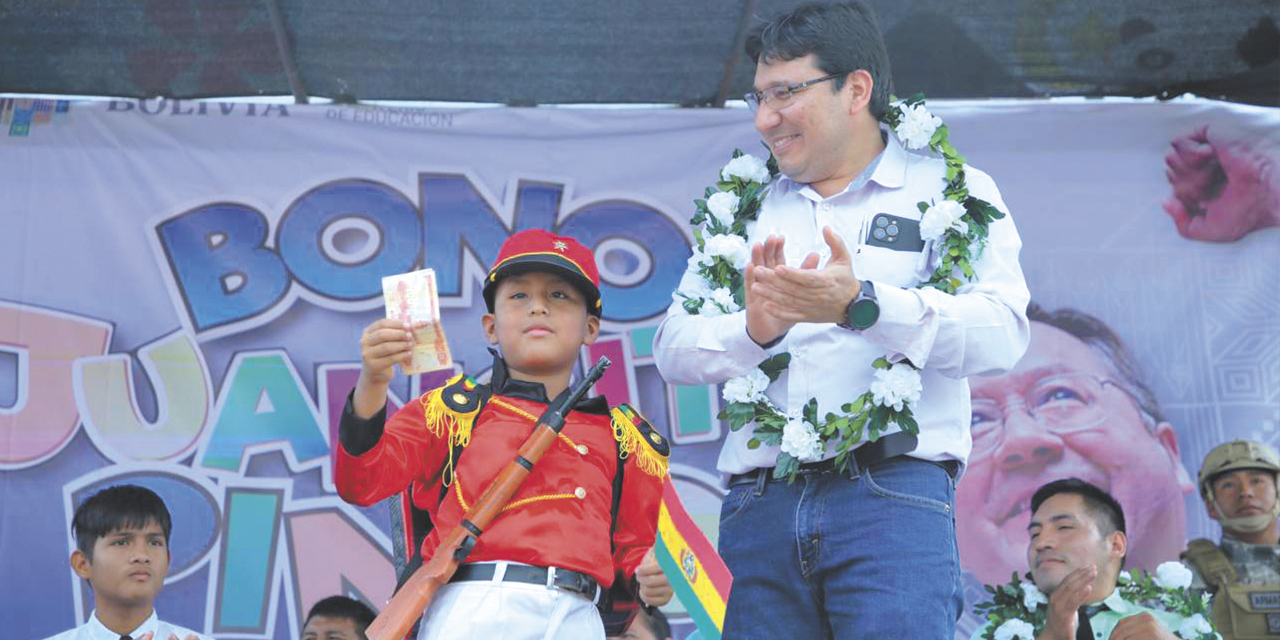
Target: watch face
[[864, 313]]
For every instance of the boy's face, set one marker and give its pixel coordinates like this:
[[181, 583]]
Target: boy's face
[[128, 566], [540, 321]]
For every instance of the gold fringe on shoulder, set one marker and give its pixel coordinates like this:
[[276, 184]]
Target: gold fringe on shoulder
[[634, 443], [448, 422]]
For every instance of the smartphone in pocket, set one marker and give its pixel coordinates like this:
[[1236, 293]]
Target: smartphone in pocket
[[895, 233]]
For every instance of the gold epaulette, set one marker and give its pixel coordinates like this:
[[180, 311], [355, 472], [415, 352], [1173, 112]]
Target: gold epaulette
[[636, 437], [450, 413]]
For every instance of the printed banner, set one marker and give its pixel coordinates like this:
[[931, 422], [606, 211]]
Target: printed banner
[[185, 283]]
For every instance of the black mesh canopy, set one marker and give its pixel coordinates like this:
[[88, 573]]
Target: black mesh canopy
[[620, 51]]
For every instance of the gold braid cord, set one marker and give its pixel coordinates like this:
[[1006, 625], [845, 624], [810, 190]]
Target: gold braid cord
[[643, 443], [447, 422], [457, 485]]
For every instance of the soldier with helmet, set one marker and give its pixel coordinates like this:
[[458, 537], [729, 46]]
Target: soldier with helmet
[[1238, 482]]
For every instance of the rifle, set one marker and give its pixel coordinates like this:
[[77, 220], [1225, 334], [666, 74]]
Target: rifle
[[412, 599]]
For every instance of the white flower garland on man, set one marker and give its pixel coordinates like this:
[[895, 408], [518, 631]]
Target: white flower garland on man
[[956, 223], [1018, 610]]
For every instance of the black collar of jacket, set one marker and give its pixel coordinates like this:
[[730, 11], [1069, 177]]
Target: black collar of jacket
[[503, 384]]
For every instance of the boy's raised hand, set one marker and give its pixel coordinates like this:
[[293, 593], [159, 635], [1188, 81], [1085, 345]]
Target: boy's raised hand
[[655, 590], [382, 345]]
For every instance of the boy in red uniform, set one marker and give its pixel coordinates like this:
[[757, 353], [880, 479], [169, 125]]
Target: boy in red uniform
[[587, 513]]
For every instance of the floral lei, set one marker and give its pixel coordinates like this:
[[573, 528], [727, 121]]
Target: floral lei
[[1018, 610], [958, 226]]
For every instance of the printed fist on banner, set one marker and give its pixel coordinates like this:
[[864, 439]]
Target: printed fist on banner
[[1222, 189]]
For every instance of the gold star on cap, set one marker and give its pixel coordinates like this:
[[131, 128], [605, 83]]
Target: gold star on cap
[[561, 246]]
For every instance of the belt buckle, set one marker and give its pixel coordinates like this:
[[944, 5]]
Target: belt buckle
[[551, 577]]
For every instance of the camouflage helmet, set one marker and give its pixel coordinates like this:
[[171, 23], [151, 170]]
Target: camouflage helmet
[[1237, 454]]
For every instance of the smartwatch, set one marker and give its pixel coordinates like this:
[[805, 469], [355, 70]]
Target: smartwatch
[[863, 312]]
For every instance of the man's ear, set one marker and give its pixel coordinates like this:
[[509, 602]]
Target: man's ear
[[593, 330], [1117, 545], [1168, 438], [80, 563], [859, 86], [490, 327]]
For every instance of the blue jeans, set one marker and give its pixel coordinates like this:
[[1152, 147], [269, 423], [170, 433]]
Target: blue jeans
[[868, 554]]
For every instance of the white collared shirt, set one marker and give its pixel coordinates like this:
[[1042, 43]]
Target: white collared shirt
[[983, 328], [95, 630]]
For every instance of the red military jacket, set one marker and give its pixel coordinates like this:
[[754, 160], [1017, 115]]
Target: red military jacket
[[561, 516]]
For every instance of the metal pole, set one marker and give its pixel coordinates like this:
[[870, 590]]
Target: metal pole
[[735, 54], [286, 52]]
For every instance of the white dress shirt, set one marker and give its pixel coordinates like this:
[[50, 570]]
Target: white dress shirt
[[981, 329], [95, 630]]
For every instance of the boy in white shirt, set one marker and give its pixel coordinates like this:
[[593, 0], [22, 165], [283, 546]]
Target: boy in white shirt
[[122, 540]]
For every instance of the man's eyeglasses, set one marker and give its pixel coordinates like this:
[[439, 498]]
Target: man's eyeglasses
[[780, 95], [1063, 404]]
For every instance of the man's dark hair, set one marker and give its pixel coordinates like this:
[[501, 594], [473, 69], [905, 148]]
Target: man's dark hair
[[844, 37], [1105, 510], [1098, 335], [343, 607], [125, 506]]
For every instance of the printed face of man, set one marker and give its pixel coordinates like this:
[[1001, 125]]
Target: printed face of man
[[1063, 412]]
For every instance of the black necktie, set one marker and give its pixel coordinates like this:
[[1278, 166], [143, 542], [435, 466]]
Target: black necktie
[[1084, 630]]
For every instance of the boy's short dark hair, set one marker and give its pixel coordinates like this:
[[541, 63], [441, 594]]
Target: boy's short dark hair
[[123, 506], [343, 607], [1105, 510], [844, 37]]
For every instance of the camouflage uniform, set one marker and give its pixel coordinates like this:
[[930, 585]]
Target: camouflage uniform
[[1243, 578]]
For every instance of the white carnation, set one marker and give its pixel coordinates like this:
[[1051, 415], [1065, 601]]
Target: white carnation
[[709, 309], [940, 217], [1194, 627], [1014, 628], [729, 246], [746, 388], [1172, 575], [722, 205], [801, 441], [916, 126], [692, 288], [698, 259], [1032, 596], [722, 301], [748, 168], [896, 386]]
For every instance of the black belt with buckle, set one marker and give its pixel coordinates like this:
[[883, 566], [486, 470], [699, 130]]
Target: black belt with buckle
[[566, 579], [885, 447]]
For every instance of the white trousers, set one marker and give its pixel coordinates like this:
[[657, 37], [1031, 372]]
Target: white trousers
[[476, 610]]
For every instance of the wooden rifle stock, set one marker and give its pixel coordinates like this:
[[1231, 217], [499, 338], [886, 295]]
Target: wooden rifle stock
[[412, 599]]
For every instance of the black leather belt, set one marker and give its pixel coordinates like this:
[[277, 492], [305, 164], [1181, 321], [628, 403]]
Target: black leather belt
[[565, 579], [885, 447]]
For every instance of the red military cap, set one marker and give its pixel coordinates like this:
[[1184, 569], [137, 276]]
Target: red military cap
[[539, 250]]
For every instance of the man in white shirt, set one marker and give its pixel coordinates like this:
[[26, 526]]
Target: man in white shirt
[[122, 540], [867, 552]]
